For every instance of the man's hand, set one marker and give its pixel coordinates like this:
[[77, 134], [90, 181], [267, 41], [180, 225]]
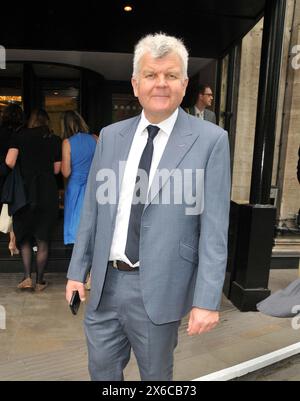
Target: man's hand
[[202, 321], [73, 286]]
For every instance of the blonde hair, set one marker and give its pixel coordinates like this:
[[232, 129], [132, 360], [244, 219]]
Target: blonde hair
[[160, 45], [73, 123]]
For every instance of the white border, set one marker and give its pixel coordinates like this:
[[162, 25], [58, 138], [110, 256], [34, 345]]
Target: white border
[[252, 365]]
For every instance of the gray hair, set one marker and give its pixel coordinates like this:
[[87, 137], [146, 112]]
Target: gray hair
[[159, 45]]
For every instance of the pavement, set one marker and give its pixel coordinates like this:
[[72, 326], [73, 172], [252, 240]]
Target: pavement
[[44, 341]]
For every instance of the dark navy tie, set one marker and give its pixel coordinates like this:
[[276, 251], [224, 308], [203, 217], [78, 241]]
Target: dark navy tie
[[140, 190]]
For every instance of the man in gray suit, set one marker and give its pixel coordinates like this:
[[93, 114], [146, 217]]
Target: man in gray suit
[[154, 223], [204, 98]]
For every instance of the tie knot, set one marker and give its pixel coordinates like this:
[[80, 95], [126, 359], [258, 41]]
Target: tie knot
[[152, 131]]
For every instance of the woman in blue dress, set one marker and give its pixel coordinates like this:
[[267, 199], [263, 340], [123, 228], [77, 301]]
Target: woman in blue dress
[[77, 154]]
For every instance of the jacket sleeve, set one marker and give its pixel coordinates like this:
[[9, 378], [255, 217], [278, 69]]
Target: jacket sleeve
[[214, 227], [83, 250]]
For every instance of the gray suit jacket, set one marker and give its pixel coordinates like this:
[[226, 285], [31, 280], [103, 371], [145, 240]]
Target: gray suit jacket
[[182, 255], [208, 114]]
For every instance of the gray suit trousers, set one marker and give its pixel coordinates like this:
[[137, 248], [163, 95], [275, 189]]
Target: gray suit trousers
[[121, 323]]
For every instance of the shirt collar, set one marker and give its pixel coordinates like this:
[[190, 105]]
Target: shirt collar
[[166, 125], [197, 111]]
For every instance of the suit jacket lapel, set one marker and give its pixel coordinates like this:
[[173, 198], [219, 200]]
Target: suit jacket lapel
[[180, 141], [192, 111]]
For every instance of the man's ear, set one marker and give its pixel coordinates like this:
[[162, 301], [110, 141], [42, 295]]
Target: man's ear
[[185, 84], [135, 87]]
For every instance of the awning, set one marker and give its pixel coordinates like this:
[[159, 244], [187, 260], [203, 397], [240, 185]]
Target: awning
[[209, 28]]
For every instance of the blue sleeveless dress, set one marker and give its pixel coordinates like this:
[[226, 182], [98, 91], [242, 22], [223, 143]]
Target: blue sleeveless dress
[[82, 152]]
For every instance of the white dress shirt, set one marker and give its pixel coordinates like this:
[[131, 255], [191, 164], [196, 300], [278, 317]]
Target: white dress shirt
[[117, 250], [199, 113]]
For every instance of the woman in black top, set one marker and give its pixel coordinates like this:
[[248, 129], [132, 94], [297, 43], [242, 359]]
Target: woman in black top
[[12, 120], [39, 158]]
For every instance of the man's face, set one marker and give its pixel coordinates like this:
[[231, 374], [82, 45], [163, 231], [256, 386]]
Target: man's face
[[159, 86], [207, 97]]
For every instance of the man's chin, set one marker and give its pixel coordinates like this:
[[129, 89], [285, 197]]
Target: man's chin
[[158, 114], [160, 110]]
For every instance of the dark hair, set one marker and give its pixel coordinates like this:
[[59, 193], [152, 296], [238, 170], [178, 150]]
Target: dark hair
[[73, 123], [38, 118], [198, 89], [13, 116], [201, 88]]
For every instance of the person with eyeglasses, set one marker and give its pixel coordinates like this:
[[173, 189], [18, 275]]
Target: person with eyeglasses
[[204, 97]]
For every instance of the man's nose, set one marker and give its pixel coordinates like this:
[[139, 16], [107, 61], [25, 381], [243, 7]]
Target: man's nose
[[161, 80]]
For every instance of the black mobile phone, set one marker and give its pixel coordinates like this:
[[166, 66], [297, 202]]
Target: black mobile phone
[[75, 302]]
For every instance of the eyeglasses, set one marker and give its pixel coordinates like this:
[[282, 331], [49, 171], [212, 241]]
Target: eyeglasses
[[208, 94]]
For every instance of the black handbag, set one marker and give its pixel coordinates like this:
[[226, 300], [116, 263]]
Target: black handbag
[[13, 192]]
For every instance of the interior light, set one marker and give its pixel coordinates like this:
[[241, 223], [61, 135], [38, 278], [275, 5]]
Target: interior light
[[127, 8]]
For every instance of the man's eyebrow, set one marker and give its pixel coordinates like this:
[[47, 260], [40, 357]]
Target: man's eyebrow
[[173, 70]]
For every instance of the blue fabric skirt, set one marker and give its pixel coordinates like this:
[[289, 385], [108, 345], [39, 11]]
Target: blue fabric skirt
[[74, 196]]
